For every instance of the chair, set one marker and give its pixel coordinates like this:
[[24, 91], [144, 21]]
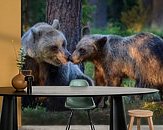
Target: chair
[[139, 114], [79, 103]]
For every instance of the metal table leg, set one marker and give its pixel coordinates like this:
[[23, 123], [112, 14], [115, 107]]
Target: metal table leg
[[117, 114], [9, 114]]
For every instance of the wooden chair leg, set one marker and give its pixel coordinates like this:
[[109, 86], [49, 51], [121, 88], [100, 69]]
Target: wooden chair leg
[[138, 123], [140, 114], [131, 123], [150, 123]]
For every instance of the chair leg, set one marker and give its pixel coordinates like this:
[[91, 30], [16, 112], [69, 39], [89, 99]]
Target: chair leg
[[69, 120], [131, 123], [150, 123], [90, 120], [138, 123]]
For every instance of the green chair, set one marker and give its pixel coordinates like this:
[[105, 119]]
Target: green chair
[[79, 103]]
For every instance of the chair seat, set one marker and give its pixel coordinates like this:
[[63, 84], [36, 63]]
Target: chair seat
[[140, 113], [80, 103]]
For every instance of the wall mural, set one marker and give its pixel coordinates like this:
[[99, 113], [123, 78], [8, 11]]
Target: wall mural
[[58, 38]]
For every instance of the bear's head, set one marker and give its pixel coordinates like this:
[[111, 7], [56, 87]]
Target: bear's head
[[45, 43], [88, 47]]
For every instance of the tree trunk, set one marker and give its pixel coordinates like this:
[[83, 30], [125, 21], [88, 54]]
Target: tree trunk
[[148, 5], [25, 15], [157, 15], [68, 12]]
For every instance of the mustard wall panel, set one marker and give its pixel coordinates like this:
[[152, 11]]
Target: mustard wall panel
[[10, 29]]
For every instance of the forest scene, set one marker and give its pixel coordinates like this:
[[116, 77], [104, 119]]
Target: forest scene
[[105, 17]]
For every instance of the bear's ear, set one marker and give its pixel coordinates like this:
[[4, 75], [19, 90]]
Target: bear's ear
[[36, 34], [56, 24], [101, 42], [34, 31], [85, 31]]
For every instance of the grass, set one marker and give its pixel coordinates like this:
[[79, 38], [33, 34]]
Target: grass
[[118, 29], [100, 116], [39, 116]]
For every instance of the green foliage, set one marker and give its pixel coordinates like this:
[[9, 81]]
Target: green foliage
[[114, 29], [87, 11], [128, 83], [156, 107], [134, 18], [21, 59], [89, 69], [40, 116], [34, 111]]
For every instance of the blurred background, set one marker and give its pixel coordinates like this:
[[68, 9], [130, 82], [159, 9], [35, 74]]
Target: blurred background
[[106, 16]]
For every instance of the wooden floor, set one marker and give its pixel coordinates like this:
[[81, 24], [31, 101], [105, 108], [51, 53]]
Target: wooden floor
[[82, 127]]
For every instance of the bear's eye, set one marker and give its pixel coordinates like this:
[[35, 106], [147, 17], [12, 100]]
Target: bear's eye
[[82, 51], [51, 33], [64, 44], [53, 48]]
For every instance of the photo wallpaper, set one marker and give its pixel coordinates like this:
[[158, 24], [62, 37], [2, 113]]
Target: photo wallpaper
[[107, 43]]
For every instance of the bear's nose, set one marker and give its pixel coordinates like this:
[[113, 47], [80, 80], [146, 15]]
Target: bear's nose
[[70, 58]]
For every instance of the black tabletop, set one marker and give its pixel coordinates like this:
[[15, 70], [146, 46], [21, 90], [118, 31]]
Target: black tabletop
[[77, 91]]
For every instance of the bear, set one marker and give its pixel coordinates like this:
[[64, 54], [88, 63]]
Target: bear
[[138, 57], [45, 47]]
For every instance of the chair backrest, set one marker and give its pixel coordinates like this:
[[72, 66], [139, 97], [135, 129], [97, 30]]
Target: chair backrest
[[78, 83], [79, 102]]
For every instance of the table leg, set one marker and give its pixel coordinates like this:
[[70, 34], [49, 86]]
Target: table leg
[[9, 113], [117, 114]]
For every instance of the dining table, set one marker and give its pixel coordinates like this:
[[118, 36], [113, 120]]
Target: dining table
[[117, 111]]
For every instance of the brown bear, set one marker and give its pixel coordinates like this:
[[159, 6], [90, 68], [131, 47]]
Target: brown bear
[[46, 54], [138, 57]]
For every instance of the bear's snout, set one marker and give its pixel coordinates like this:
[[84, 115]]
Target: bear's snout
[[70, 58], [75, 58], [67, 53]]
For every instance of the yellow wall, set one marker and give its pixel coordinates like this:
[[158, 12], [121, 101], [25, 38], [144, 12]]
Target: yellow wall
[[10, 29]]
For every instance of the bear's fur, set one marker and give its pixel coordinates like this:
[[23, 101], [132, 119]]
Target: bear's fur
[[138, 57], [46, 54]]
